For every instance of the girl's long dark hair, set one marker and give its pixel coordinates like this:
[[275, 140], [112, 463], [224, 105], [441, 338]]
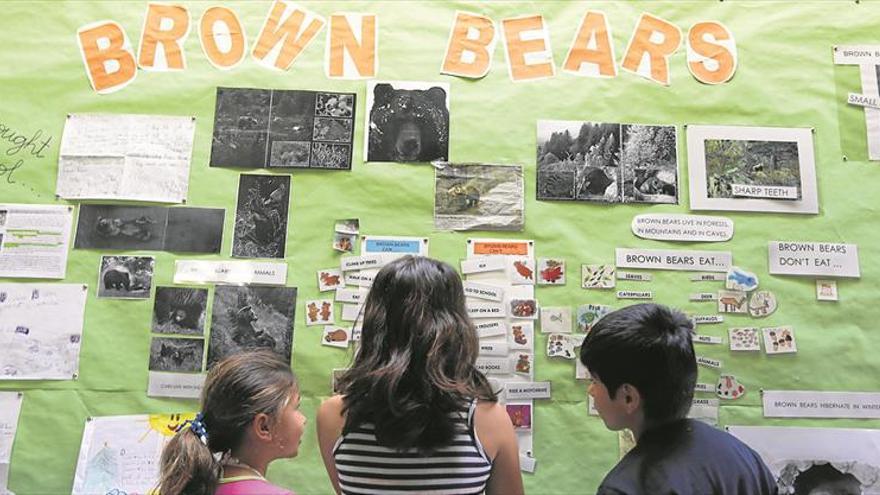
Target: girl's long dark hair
[[416, 362], [236, 389]]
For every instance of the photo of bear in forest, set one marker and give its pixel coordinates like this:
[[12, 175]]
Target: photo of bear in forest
[[256, 128], [478, 197], [261, 216], [180, 310], [607, 162], [408, 122], [176, 355], [247, 317], [751, 163], [126, 277]]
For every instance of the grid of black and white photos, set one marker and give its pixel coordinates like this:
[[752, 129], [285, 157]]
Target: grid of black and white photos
[[266, 128], [607, 162], [176, 355], [248, 317], [478, 197], [126, 277], [261, 216], [150, 228], [407, 121], [180, 310], [752, 169]]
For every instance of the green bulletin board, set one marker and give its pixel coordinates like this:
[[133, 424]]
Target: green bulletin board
[[785, 77]]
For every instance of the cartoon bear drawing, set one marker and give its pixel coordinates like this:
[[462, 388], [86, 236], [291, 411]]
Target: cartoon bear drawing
[[408, 125]]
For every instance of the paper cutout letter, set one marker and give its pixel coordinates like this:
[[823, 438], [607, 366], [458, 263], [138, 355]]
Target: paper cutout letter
[[591, 53], [470, 48], [350, 55], [647, 56], [711, 52], [107, 55], [527, 44], [287, 31], [222, 36], [168, 26]]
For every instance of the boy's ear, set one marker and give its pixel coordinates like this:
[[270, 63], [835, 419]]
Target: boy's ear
[[632, 399], [262, 426]]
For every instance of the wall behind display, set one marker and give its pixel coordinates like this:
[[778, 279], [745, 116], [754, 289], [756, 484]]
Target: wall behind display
[[785, 78]]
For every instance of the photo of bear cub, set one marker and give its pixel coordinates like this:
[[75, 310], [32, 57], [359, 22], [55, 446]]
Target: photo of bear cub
[[408, 122], [180, 310]]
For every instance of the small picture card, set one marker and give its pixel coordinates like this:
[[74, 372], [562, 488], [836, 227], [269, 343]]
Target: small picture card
[[521, 270], [522, 335], [335, 375], [729, 387], [348, 226], [490, 328], [520, 415], [707, 319], [319, 312], [493, 349], [330, 279], [580, 371], [762, 303], [483, 291], [704, 387], [482, 265], [526, 390], [558, 345], [344, 243], [524, 308], [779, 340], [355, 296], [597, 276], [556, 319], [709, 362], [335, 336], [634, 276], [356, 331], [709, 277], [707, 339], [486, 310], [739, 279], [744, 339], [703, 297], [551, 271], [732, 301], [635, 294], [589, 314], [826, 290], [351, 312], [523, 363]]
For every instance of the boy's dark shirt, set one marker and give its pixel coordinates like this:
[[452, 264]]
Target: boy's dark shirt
[[689, 457]]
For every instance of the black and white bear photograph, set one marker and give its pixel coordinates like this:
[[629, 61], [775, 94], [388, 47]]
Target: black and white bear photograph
[[176, 355], [578, 161], [241, 125], [261, 216], [121, 227], [194, 230], [180, 310], [248, 317], [257, 128], [407, 122], [126, 277], [649, 164]]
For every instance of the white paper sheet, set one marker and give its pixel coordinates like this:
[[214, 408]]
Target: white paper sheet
[[34, 240], [180, 385], [125, 156], [824, 259], [120, 454], [670, 259], [41, 329], [820, 404], [10, 407], [230, 272]]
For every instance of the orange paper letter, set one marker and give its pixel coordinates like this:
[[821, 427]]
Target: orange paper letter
[[107, 55], [166, 25], [528, 57], [351, 56], [222, 36], [592, 46], [469, 56], [713, 60], [293, 31], [647, 55]]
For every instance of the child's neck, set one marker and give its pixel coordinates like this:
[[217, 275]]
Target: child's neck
[[245, 464]]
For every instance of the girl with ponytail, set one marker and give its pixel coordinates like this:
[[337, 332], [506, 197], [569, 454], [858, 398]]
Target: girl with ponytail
[[250, 417]]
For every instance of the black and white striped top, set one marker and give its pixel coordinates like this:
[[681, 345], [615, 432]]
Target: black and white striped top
[[365, 467]]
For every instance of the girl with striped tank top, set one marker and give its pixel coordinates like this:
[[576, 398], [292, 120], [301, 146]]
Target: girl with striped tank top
[[414, 415]]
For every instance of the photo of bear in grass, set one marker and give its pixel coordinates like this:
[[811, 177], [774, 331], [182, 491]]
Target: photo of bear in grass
[[408, 122]]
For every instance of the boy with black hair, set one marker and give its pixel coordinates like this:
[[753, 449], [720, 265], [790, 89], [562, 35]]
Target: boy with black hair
[[641, 360]]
